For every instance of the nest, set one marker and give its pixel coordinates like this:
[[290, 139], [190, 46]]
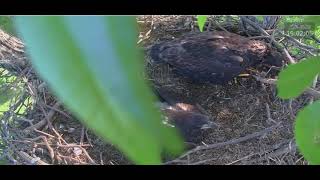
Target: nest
[[255, 127]]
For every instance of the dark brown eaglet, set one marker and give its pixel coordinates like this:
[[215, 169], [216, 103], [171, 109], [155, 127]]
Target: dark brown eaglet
[[214, 57]]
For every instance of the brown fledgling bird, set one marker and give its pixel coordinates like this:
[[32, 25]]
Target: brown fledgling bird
[[190, 124], [214, 57], [187, 118]]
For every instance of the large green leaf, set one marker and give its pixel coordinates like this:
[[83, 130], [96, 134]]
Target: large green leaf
[[93, 65], [6, 24], [201, 19], [297, 77], [307, 132], [7, 92], [314, 19]]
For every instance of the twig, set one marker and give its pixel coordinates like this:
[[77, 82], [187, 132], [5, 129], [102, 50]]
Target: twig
[[58, 110], [315, 38], [43, 122], [25, 119], [52, 111], [70, 159], [272, 149], [44, 139], [259, 37], [309, 91], [48, 118], [175, 161], [201, 109], [203, 161], [101, 159], [233, 141], [146, 36], [290, 109], [299, 159], [51, 152], [300, 44], [291, 60], [314, 84], [44, 133], [278, 152], [253, 24], [39, 125], [87, 155], [308, 51], [26, 157], [88, 138], [269, 114], [82, 135], [55, 145], [219, 26], [73, 145], [248, 156]]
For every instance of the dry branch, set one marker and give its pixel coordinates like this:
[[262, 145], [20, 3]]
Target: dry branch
[[230, 142], [26, 157], [310, 91]]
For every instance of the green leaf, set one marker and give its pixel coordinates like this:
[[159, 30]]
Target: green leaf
[[307, 132], [201, 19], [314, 19], [3, 162], [297, 77], [93, 65], [260, 18], [6, 94], [6, 24]]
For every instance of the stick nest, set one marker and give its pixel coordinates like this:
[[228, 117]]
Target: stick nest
[[256, 127]]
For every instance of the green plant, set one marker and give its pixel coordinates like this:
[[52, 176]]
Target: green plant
[[93, 65], [292, 82], [7, 25], [201, 19]]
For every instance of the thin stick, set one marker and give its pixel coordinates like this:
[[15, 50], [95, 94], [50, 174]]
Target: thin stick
[[309, 91], [48, 118], [58, 110], [233, 162], [73, 145], [314, 84], [87, 155], [300, 44], [233, 141], [290, 109], [101, 159], [88, 138], [201, 109], [43, 122], [264, 32], [82, 135], [30, 159], [44, 133], [203, 161], [219, 26], [269, 114], [291, 60]]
